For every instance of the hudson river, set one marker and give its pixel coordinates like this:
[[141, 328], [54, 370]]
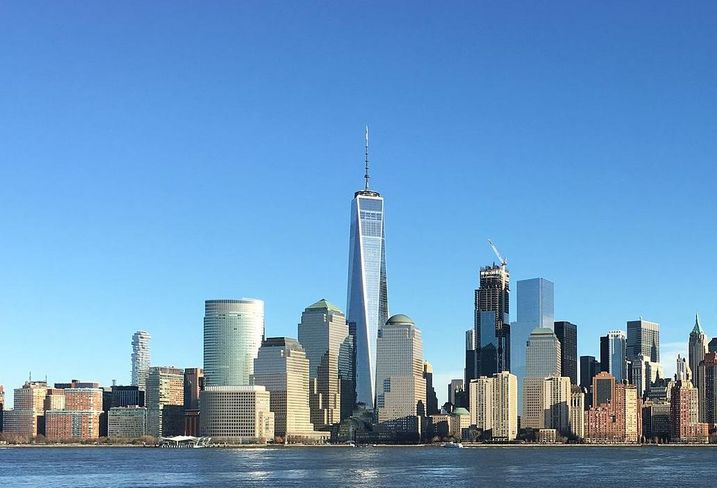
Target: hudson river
[[366, 466]]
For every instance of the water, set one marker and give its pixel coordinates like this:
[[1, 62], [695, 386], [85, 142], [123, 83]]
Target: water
[[367, 466]]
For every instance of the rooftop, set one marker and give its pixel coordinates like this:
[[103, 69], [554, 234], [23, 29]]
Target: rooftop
[[324, 304]]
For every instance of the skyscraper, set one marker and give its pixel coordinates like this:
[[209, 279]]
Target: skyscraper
[[567, 334], [165, 401], [491, 321], [613, 350], [400, 386], [708, 389], [324, 335], [367, 301], [589, 367], [542, 361], [697, 348], [283, 369], [643, 337], [431, 398], [494, 405], [471, 358], [233, 331], [140, 358]]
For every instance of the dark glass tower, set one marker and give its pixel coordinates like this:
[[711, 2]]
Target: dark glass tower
[[589, 367], [492, 324], [567, 333], [367, 301]]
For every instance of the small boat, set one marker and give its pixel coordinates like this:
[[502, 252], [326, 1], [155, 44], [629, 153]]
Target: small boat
[[453, 445]]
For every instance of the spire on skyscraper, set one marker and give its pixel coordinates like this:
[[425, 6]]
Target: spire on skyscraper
[[366, 176], [697, 329]]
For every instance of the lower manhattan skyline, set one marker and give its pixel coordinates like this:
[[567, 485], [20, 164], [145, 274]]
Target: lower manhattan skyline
[[151, 162]]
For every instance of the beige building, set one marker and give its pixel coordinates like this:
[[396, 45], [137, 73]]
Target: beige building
[[126, 422], [240, 413], [324, 335], [494, 405], [283, 369], [577, 412], [165, 401], [556, 404], [400, 386], [29, 404]]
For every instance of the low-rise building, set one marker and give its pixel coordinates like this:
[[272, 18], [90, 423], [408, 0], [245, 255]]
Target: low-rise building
[[127, 422], [236, 413]]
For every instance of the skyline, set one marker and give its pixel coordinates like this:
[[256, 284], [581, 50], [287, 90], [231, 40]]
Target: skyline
[[129, 213]]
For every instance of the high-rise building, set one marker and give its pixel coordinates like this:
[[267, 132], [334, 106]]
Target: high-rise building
[[567, 334], [491, 321], [684, 414], [27, 416], [644, 373], [80, 417], [589, 367], [683, 372], [697, 347], [577, 411], [613, 352], [707, 389], [165, 401], [128, 422], [556, 404], [616, 414], [455, 389], [542, 360], [140, 358], [367, 301], [283, 369], [470, 371], [643, 337], [193, 385], [2, 404], [494, 405], [535, 310], [233, 331], [400, 386], [431, 398], [712, 345], [324, 335], [123, 396], [237, 413]]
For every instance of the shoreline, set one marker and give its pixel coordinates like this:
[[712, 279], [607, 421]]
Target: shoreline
[[359, 446]]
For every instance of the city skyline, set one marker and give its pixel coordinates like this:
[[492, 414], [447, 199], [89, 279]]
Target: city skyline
[[133, 193]]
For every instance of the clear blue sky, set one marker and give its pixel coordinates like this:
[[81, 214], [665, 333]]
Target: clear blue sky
[[154, 155]]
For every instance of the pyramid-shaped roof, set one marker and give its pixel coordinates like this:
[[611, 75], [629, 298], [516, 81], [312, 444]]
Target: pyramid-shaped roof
[[324, 304], [697, 329]]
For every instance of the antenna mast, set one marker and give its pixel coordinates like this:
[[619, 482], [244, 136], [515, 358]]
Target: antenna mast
[[366, 176]]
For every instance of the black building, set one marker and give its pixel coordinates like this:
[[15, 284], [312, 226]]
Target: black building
[[567, 333], [589, 367], [491, 322], [605, 353]]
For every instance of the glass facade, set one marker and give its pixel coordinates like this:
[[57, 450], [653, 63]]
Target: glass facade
[[367, 301], [643, 337], [233, 331]]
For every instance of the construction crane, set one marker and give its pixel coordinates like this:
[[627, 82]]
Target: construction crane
[[503, 261]]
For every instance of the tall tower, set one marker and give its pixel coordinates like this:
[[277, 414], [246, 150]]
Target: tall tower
[[140, 359], [643, 337], [233, 331], [367, 300], [492, 325], [696, 349], [567, 333], [613, 354]]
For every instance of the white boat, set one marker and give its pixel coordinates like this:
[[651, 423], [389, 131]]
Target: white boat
[[453, 445]]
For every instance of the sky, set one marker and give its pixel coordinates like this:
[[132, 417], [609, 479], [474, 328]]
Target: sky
[[154, 155]]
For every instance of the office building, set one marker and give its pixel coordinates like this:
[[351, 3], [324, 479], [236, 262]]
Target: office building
[[455, 390], [127, 422], [712, 345], [26, 419], [324, 336], [140, 358], [2, 404], [542, 360], [616, 414], [491, 321], [283, 369], [644, 373], [431, 397], [493, 408], [193, 385], [697, 348], [233, 331], [77, 417], [165, 401], [535, 309], [567, 334], [367, 300], [236, 413], [589, 367], [683, 372], [577, 412], [613, 358], [470, 371], [400, 386], [643, 337], [123, 396], [656, 423], [684, 414], [556, 399], [707, 389]]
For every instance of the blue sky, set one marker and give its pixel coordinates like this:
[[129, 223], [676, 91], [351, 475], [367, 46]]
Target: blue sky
[[154, 155]]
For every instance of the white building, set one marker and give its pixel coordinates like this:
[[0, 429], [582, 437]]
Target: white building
[[494, 405], [400, 386], [233, 331], [577, 412], [240, 413], [140, 358]]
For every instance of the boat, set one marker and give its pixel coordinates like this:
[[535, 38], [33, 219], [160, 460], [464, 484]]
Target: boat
[[453, 445]]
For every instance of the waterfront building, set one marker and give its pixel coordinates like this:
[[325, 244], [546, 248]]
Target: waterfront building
[[431, 398], [589, 367], [707, 389], [367, 300], [2, 405], [492, 321], [613, 350], [556, 398], [656, 423], [193, 385], [54, 399], [400, 384], [165, 401], [567, 334], [644, 373], [643, 337], [660, 390], [236, 413], [77, 416], [283, 369], [577, 412], [123, 396], [494, 408], [470, 370], [140, 358], [616, 414], [27, 416], [233, 331], [128, 422], [542, 360], [684, 414], [697, 348], [535, 309], [324, 336]]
